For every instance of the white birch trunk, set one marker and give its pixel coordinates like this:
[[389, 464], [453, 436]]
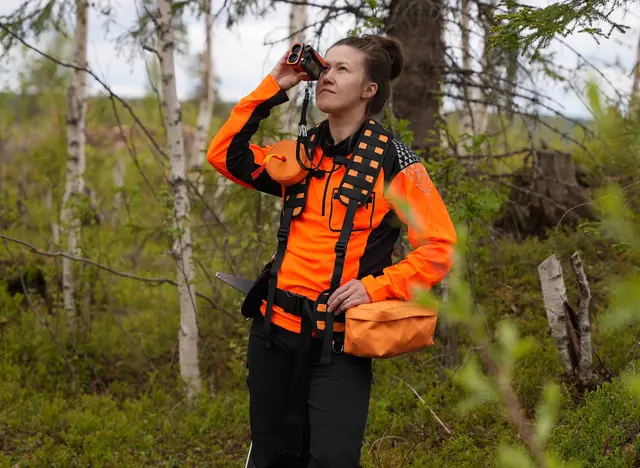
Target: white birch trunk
[[55, 228], [555, 296], [584, 325], [467, 112], [636, 82], [297, 25], [188, 333], [118, 183], [76, 115], [474, 115], [205, 111]]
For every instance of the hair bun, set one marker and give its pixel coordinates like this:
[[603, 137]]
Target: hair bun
[[393, 47]]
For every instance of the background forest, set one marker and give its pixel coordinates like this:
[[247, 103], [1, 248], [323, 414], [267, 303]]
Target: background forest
[[118, 345]]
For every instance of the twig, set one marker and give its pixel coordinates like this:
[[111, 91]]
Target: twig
[[94, 76], [593, 201], [425, 404], [157, 281], [514, 410]]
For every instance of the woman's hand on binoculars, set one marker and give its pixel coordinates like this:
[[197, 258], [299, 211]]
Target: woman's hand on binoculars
[[286, 76]]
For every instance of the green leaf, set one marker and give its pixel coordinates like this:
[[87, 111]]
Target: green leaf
[[593, 96], [633, 383], [624, 305], [512, 347], [547, 412], [478, 387], [513, 457], [177, 7]]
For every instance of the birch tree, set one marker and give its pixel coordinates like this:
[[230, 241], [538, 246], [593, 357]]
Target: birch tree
[[636, 81], [205, 111], [118, 183], [474, 116], [297, 26], [182, 247], [74, 185]]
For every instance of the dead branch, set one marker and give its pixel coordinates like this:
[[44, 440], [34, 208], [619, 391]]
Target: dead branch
[[156, 281], [425, 404], [584, 327]]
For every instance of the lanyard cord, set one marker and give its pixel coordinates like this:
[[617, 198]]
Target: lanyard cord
[[303, 137]]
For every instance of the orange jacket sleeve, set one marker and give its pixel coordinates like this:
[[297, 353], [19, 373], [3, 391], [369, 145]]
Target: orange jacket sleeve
[[418, 204], [231, 152]]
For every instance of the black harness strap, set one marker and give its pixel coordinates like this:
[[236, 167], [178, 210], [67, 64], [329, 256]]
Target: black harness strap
[[293, 206], [355, 191]]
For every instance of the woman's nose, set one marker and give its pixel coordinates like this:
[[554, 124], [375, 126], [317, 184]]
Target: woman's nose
[[327, 77]]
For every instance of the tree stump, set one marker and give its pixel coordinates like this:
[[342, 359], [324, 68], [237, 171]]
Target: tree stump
[[571, 330], [545, 195]]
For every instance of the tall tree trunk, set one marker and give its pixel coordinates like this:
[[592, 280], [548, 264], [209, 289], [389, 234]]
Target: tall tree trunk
[[297, 24], [76, 122], [118, 182], [419, 25], [636, 82], [467, 78], [474, 113], [188, 333], [205, 111]]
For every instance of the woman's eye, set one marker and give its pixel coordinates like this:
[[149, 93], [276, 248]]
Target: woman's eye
[[342, 68]]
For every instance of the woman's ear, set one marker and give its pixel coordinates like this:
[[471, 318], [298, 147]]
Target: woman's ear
[[370, 90]]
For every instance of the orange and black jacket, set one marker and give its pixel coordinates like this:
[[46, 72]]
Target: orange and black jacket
[[405, 193]]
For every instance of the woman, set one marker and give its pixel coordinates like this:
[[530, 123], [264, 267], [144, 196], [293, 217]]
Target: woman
[[351, 91]]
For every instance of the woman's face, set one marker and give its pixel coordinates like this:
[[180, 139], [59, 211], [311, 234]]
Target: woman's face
[[344, 86]]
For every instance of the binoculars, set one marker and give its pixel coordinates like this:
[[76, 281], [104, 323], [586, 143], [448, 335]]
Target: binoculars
[[303, 58]]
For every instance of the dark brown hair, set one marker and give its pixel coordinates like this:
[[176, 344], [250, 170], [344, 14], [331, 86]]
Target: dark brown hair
[[384, 63]]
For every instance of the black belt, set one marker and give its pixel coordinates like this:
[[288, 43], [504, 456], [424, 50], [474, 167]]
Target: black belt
[[290, 302], [295, 304]]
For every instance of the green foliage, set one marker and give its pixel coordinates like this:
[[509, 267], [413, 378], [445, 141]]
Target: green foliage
[[603, 431], [112, 397], [527, 27]]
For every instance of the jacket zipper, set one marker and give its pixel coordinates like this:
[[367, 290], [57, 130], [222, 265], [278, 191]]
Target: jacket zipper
[[326, 186]]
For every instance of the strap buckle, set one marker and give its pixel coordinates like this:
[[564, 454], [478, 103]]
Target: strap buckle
[[341, 248], [283, 233]]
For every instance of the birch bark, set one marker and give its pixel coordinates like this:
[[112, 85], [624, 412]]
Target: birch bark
[[188, 332]]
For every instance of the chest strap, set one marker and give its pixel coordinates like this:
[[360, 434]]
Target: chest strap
[[355, 190]]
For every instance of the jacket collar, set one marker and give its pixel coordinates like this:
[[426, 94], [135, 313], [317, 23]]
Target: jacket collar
[[341, 149]]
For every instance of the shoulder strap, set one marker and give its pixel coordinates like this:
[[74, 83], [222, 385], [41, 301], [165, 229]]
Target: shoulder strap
[[292, 207], [355, 189]]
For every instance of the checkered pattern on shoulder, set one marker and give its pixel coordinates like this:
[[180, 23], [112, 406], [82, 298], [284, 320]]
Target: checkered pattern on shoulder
[[406, 156]]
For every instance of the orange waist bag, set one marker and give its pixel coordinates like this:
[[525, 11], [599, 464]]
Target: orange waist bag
[[387, 329]]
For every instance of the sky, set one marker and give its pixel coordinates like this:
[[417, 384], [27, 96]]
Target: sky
[[242, 56]]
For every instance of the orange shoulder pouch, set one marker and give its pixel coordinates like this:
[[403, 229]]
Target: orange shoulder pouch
[[387, 329]]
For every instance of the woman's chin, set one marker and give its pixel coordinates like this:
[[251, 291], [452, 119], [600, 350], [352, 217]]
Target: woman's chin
[[325, 105]]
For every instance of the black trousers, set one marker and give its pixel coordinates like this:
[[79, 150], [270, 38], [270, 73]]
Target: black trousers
[[337, 409]]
